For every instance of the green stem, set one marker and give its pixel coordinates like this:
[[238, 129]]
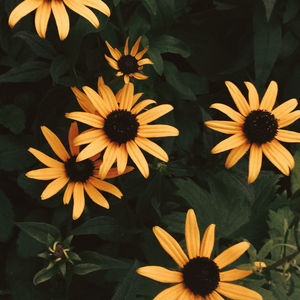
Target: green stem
[[283, 260]]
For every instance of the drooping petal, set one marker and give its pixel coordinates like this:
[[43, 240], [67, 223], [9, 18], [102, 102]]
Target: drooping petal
[[79, 8], [145, 61], [99, 5], [289, 119], [42, 16], [68, 193], [228, 111], [114, 52], [95, 195], [138, 158], [107, 94], [45, 159], [88, 136], [252, 95], [86, 118], [122, 158], [285, 108], [140, 106], [61, 18], [55, 144], [238, 98], [112, 62], [234, 291], [54, 187], [126, 97], [157, 130], [234, 274], [192, 234], [152, 148], [171, 246], [23, 9], [78, 199], [73, 133], [228, 127], [160, 274], [83, 100], [46, 173], [153, 113], [109, 158], [113, 172], [236, 154], [106, 187], [172, 292], [288, 136], [141, 53], [208, 241], [255, 161], [233, 141], [269, 98], [135, 47], [231, 254]]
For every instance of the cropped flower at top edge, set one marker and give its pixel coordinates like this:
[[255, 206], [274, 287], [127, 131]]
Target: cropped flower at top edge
[[258, 127], [129, 63], [79, 177], [43, 11], [120, 127], [199, 277]]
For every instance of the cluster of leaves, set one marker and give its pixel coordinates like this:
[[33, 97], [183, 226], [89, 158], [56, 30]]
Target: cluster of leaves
[[195, 46]]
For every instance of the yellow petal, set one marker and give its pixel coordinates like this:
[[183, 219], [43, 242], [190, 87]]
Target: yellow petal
[[140, 106], [126, 79], [234, 291], [112, 62], [79, 200], [42, 16], [228, 111], [172, 292], [285, 108], [56, 145], [88, 136], [234, 274], [126, 97], [252, 95], [107, 94], [145, 61], [114, 53], [141, 53], [106, 187], [45, 159], [135, 47], [136, 97], [157, 130], [238, 98], [255, 161], [99, 5], [46, 173], [61, 18], [68, 193], [109, 158], [73, 133], [95, 195], [160, 274], [83, 101], [231, 254], [126, 47], [139, 76], [269, 98], [86, 118], [153, 113], [152, 148], [214, 296], [288, 136], [171, 246], [236, 154], [192, 234], [228, 127], [113, 172], [54, 187], [122, 158], [233, 141], [208, 241], [138, 158], [288, 157], [289, 119]]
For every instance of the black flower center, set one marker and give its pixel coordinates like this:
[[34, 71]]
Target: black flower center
[[260, 127], [121, 126], [128, 64], [79, 171], [201, 276]]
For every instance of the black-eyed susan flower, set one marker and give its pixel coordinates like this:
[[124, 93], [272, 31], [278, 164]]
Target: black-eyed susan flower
[[199, 277], [78, 177], [129, 63], [258, 127], [120, 127], [43, 10]]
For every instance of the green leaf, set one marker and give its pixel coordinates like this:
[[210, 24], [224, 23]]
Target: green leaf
[[116, 2], [39, 46], [151, 6], [13, 118], [40, 231], [30, 71], [155, 56], [167, 43], [291, 9], [58, 70], [6, 217], [175, 222], [269, 4], [85, 268], [44, 274], [295, 175], [128, 287]]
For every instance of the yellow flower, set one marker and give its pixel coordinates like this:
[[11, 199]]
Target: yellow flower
[[199, 277], [128, 64], [44, 8], [78, 176], [259, 127], [120, 127]]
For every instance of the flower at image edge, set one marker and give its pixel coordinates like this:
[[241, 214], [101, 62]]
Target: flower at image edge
[[129, 63], [43, 10], [200, 277], [258, 127], [79, 177], [120, 127]]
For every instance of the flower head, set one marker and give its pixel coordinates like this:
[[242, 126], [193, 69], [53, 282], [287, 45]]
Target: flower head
[[258, 127], [199, 277], [43, 10], [79, 177], [129, 63], [120, 127]]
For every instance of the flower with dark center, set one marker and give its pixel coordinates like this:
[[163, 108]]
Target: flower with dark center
[[43, 11], [258, 127], [129, 63], [200, 277], [121, 127], [59, 251], [78, 177]]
